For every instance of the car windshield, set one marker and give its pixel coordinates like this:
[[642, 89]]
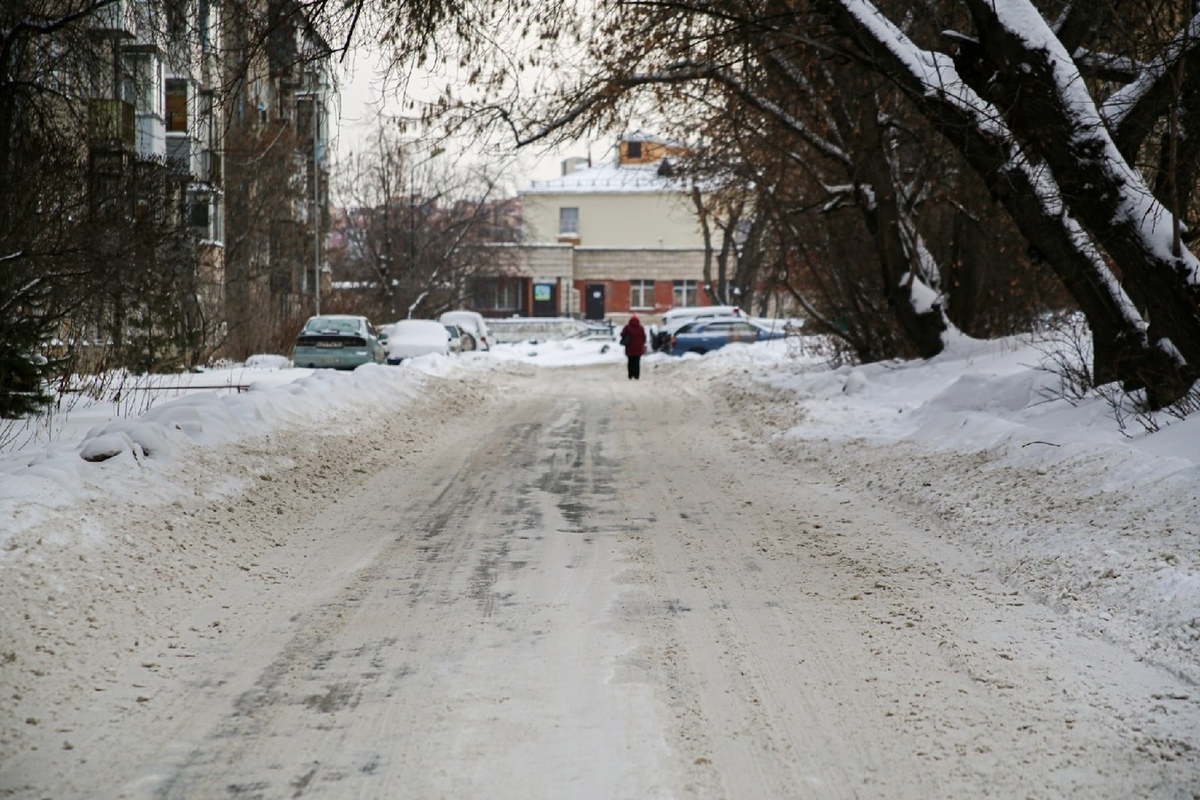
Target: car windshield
[[331, 325]]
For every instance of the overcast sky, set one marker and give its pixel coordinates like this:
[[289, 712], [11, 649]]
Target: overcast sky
[[361, 104]]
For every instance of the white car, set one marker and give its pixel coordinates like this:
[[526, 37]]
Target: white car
[[473, 323], [458, 339], [676, 318], [410, 338]]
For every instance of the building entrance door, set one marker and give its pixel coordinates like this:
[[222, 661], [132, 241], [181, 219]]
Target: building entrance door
[[545, 299], [593, 305]]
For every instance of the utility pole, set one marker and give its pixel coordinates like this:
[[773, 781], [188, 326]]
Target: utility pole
[[316, 124]]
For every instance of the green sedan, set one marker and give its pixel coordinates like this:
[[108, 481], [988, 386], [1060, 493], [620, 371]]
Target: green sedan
[[339, 341]]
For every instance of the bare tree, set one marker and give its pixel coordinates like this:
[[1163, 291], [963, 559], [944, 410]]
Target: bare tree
[[416, 228], [699, 64], [1033, 114], [98, 266]]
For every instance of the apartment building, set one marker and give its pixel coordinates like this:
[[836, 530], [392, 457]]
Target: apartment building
[[152, 110], [230, 102]]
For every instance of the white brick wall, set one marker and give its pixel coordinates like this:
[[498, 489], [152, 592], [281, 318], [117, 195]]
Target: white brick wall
[[623, 265]]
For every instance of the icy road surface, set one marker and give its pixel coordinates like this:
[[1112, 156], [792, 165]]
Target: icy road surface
[[575, 586]]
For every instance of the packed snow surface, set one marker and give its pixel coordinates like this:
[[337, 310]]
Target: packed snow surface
[[1090, 511], [1098, 519]]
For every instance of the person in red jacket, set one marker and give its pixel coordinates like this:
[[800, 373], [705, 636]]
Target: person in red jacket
[[633, 336]]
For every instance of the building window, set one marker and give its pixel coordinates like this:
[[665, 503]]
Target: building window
[[218, 221], [683, 294], [199, 217], [507, 296], [634, 151], [499, 294], [145, 82], [568, 222], [177, 96], [641, 294], [203, 217], [205, 20]]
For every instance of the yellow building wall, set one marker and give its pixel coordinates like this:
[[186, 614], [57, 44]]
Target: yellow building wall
[[611, 220]]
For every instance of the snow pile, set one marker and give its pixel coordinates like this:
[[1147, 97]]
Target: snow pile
[[1098, 523], [268, 361], [101, 453], [562, 352]]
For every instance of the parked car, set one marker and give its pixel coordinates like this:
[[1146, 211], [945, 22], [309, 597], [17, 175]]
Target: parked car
[[340, 341], [473, 323], [705, 335], [469, 342], [458, 340], [676, 318], [410, 338]]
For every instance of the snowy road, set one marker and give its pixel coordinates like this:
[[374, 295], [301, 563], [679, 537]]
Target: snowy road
[[575, 586]]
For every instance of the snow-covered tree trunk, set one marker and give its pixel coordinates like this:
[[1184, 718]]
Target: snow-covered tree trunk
[[1056, 117], [1126, 349], [916, 305]]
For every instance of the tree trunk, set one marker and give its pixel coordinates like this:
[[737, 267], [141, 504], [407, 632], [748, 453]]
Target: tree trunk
[[1122, 347], [749, 264], [706, 232], [728, 250], [1100, 189], [924, 324]]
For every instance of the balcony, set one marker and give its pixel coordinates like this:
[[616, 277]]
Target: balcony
[[118, 18], [181, 152], [187, 156], [112, 123], [151, 136]]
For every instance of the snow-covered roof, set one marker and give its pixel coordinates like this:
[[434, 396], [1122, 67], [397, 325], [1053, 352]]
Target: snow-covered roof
[[642, 136], [610, 178]]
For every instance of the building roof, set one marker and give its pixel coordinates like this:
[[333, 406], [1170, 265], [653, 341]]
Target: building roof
[[611, 178], [642, 136]]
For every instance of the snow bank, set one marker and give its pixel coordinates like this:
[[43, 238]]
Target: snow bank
[[149, 455], [563, 352], [1099, 523]]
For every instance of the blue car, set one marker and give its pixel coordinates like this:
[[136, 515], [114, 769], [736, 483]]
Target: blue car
[[704, 335]]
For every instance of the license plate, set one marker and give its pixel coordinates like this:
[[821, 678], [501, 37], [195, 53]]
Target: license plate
[[329, 344]]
